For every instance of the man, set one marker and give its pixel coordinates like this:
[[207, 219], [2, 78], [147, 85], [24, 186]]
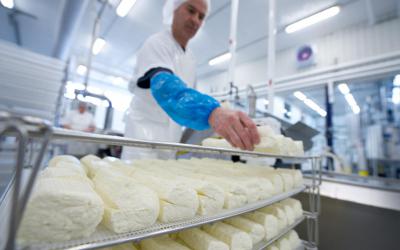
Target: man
[[80, 119], [164, 96]]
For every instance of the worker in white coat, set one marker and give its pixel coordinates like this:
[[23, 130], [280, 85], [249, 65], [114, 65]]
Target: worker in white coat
[[164, 95], [80, 119]]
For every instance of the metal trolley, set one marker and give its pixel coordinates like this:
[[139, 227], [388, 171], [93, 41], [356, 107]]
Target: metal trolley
[[29, 130]]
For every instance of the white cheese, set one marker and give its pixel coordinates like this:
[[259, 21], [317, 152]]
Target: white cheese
[[63, 158], [92, 163], [278, 213], [126, 246], [284, 244], [235, 238], [296, 206], [288, 211], [61, 209], [269, 221], [128, 206], [255, 230], [200, 240], [293, 239]]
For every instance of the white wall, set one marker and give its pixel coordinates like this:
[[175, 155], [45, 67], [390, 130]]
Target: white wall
[[353, 43]]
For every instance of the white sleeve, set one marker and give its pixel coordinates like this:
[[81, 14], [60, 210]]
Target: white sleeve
[[154, 53]]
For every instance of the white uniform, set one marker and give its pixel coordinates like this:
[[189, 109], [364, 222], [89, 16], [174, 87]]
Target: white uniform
[[79, 121], [145, 118]]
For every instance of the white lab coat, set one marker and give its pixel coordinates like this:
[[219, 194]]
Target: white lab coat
[[145, 119], [81, 122]]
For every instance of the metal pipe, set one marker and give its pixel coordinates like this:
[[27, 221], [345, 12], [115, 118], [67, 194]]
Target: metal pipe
[[232, 41], [73, 13], [95, 31], [271, 54]]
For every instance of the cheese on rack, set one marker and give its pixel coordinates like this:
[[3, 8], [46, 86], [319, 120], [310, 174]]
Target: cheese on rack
[[126, 246], [65, 170], [288, 211], [255, 230], [297, 176], [278, 213], [272, 247], [177, 200], [235, 238], [211, 196], [293, 239], [200, 240], [128, 206], [296, 206], [161, 243], [63, 158], [270, 222], [61, 209], [283, 244], [92, 164]]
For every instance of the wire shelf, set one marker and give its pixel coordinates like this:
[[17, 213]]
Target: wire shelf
[[264, 244], [103, 237]]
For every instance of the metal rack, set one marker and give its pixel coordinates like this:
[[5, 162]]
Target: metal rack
[[25, 128]]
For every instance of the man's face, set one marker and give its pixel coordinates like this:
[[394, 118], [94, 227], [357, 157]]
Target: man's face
[[189, 17], [82, 108]]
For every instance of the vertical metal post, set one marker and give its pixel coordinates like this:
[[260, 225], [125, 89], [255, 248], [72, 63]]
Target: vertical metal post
[[271, 54], [329, 122], [232, 41]]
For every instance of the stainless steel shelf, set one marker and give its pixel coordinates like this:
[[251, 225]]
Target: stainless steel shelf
[[103, 237], [264, 244], [65, 134]]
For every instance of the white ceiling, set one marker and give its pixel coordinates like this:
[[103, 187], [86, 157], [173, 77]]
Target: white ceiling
[[125, 35]]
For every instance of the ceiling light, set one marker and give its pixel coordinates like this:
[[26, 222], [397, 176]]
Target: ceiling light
[[396, 95], [308, 21], [7, 3], [98, 45], [311, 104], [396, 81], [352, 102], [124, 7], [220, 59], [299, 95], [343, 88], [81, 70]]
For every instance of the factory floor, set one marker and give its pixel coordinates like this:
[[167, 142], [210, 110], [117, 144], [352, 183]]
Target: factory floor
[[346, 225]]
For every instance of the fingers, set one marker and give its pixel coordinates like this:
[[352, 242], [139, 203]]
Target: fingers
[[248, 123], [243, 134]]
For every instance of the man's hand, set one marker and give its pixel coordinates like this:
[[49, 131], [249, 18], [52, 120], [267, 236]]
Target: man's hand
[[236, 127]]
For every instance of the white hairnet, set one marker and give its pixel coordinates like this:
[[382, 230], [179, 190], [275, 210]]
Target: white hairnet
[[171, 5]]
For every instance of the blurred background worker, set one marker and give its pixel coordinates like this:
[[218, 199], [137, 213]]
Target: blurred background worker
[[165, 98], [80, 119]]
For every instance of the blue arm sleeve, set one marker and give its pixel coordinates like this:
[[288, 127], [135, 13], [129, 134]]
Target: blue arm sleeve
[[184, 105]]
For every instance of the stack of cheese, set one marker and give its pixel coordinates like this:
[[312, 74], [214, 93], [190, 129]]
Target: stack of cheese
[[290, 241], [128, 206], [63, 204], [270, 142]]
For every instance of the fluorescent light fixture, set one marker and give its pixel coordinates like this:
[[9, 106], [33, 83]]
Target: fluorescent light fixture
[[124, 7], [220, 59], [81, 70], [299, 95], [7, 3], [343, 88], [396, 95], [352, 102], [396, 81], [98, 45], [311, 104], [308, 21]]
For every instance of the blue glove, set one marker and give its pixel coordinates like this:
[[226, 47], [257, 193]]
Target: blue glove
[[184, 105]]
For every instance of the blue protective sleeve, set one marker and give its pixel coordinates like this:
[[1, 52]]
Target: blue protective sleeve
[[184, 105]]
